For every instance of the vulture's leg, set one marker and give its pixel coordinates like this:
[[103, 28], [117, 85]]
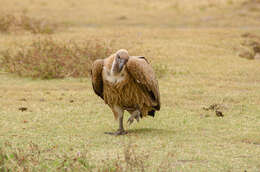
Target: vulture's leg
[[118, 112], [134, 115]]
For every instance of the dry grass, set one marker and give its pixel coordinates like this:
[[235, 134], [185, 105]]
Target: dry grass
[[47, 58], [67, 115], [59, 124], [160, 69], [250, 46], [33, 158], [162, 13], [15, 23]]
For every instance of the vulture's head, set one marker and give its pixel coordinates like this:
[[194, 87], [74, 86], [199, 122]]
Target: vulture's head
[[120, 60]]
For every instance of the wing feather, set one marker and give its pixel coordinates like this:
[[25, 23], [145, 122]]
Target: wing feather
[[143, 73], [96, 76]]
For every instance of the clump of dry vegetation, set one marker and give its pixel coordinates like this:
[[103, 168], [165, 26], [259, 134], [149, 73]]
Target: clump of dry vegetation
[[33, 158], [47, 58], [251, 46], [129, 161], [13, 23], [134, 161]]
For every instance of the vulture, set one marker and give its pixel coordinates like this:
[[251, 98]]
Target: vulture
[[126, 83]]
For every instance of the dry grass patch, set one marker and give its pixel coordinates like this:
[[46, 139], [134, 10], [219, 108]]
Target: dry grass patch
[[34, 158], [251, 46], [47, 58], [13, 23]]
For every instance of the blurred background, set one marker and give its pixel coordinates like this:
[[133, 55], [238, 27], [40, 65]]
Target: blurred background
[[135, 13]]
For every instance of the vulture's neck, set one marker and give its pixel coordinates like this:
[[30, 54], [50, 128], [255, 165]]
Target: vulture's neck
[[114, 78], [113, 68], [109, 73]]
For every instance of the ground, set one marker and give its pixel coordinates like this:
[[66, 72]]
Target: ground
[[63, 124]]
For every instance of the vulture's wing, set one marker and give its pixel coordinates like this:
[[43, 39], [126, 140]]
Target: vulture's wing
[[96, 76], [143, 73]]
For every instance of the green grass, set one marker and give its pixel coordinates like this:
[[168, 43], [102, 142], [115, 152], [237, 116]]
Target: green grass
[[64, 124]]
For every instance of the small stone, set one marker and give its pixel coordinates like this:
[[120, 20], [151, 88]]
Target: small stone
[[219, 113], [23, 99], [247, 34], [122, 18], [23, 109]]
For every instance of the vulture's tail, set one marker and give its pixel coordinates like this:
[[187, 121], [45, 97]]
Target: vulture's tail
[[151, 113]]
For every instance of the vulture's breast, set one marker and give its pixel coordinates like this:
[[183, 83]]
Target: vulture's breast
[[113, 79]]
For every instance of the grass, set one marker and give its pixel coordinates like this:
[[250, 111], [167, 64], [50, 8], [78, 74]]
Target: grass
[[47, 58], [160, 69], [62, 128], [14, 23]]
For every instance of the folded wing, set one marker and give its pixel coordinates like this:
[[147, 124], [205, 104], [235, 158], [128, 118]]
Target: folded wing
[[143, 73], [96, 76]]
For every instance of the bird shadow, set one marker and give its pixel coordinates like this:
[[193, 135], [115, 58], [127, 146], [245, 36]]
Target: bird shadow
[[150, 130]]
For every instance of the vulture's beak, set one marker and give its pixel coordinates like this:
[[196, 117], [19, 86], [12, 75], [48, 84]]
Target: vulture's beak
[[121, 63]]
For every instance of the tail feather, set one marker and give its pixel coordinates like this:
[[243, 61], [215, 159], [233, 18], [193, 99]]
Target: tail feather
[[151, 113]]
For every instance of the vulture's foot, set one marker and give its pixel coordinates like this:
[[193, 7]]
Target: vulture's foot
[[117, 133], [132, 117]]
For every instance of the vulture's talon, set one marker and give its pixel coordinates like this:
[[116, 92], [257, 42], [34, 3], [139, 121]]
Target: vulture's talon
[[132, 117], [137, 118], [117, 133], [130, 120]]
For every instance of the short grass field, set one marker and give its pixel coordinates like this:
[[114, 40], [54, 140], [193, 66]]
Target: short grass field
[[57, 123]]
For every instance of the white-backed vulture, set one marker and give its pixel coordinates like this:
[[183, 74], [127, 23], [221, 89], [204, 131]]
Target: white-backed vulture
[[126, 83]]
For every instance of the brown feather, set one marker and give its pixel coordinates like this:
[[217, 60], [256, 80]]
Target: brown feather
[[137, 90], [96, 76], [128, 94], [143, 73]]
